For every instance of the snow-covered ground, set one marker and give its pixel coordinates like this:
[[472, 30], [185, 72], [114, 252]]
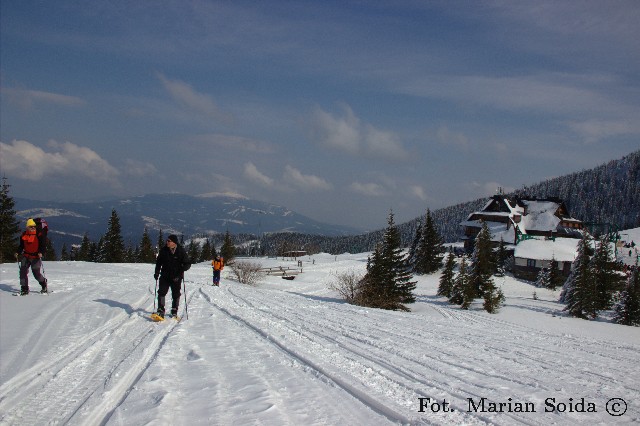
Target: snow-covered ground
[[292, 353]]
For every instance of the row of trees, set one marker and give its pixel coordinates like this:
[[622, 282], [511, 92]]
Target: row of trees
[[111, 247], [473, 280]]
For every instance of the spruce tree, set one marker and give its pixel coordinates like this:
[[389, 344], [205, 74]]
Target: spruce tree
[[49, 252], [459, 283], [493, 297], [543, 279], [228, 250], [446, 279], [84, 253], [579, 291], [605, 274], [394, 262], [387, 283], [9, 226], [501, 256], [429, 248], [193, 250], [146, 253], [161, 241], [114, 249], [63, 253], [627, 310], [555, 278], [482, 263], [206, 253]]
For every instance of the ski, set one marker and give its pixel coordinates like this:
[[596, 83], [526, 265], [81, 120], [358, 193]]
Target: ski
[[157, 318], [17, 293]]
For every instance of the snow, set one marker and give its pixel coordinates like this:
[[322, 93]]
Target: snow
[[292, 353], [561, 249]]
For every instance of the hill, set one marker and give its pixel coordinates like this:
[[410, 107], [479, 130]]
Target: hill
[[607, 194], [172, 213]]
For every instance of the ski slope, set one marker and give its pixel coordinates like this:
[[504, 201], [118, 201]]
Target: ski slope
[[292, 353]]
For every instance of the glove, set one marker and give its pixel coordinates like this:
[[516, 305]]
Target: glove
[[155, 277]]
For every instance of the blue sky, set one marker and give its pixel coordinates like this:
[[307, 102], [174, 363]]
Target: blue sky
[[339, 110]]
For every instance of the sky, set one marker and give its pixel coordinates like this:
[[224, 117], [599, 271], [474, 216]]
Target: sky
[[339, 110]]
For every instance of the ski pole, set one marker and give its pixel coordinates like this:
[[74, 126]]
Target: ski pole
[[186, 307], [155, 295]]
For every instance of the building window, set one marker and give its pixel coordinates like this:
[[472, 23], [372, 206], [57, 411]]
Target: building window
[[531, 263]]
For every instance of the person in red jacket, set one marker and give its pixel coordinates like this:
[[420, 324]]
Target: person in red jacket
[[31, 247]]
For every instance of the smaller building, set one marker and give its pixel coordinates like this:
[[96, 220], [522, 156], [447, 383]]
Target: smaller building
[[530, 256]]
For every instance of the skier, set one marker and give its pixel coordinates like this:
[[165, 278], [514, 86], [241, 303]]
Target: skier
[[31, 246], [171, 264], [218, 266]]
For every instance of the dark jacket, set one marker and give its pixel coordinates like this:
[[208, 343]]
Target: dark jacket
[[172, 265]]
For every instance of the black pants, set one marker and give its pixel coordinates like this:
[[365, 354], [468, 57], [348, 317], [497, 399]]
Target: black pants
[[163, 289]]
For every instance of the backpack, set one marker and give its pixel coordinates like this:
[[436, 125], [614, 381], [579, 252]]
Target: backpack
[[42, 228]]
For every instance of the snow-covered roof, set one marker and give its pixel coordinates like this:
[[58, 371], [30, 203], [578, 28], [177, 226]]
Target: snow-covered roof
[[540, 216], [562, 249]]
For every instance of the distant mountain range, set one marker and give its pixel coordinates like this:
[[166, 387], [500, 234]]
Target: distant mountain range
[[608, 194], [172, 213]]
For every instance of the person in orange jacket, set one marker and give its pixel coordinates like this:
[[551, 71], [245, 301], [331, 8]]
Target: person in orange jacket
[[218, 265], [31, 247]]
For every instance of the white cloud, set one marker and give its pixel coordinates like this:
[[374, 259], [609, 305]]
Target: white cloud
[[188, 97], [139, 168], [418, 191], [595, 130], [252, 173], [449, 138], [26, 99], [27, 161], [369, 189], [307, 182], [240, 143], [348, 134]]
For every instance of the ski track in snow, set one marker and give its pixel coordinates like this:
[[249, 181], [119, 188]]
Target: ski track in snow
[[289, 355]]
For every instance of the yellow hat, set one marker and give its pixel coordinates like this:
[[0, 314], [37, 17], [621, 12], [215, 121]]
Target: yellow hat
[[30, 222]]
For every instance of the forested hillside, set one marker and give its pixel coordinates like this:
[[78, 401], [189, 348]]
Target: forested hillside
[[608, 194]]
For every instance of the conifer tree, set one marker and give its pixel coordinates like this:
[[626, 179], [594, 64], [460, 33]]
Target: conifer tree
[[579, 291], [63, 253], [429, 251], [228, 250], [605, 274], [482, 263], [374, 289], [543, 279], [501, 256], [50, 251], [555, 278], [206, 253], [161, 241], [493, 297], [460, 282], [147, 253], [193, 250], [84, 253], [627, 310], [113, 249], [446, 279], [387, 283], [413, 250], [9, 226]]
